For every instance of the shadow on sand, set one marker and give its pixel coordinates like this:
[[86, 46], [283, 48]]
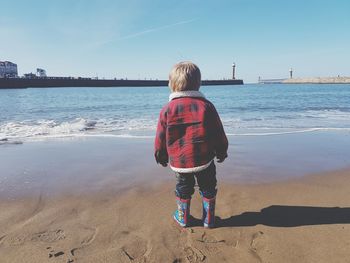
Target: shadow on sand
[[285, 216]]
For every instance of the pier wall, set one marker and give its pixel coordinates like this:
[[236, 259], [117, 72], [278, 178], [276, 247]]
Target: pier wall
[[66, 82]]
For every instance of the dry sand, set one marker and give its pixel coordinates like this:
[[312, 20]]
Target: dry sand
[[300, 220]]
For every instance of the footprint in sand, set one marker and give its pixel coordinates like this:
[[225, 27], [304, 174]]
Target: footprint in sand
[[258, 245], [45, 236], [205, 244], [194, 255], [48, 236], [135, 250], [16, 240], [258, 241], [87, 240], [208, 239]]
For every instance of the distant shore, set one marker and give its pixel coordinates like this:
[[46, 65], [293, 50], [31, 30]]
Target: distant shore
[[318, 80], [308, 80]]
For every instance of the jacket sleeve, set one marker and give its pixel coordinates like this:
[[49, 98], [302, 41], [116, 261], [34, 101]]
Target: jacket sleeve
[[216, 133], [160, 149]]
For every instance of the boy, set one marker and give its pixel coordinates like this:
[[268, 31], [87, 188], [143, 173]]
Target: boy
[[189, 135]]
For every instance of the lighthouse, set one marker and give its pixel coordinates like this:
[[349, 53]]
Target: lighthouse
[[291, 73], [233, 70]]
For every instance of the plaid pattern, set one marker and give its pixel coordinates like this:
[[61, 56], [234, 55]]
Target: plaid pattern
[[189, 133]]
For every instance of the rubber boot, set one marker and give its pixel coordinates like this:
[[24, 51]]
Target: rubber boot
[[182, 214], [208, 212]]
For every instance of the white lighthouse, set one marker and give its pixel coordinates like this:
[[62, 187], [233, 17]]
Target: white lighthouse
[[233, 70]]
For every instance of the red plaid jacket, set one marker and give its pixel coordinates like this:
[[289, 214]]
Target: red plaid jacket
[[189, 133]]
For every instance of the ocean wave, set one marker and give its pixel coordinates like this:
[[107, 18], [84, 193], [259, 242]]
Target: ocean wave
[[29, 130], [5, 141], [329, 114], [288, 132]]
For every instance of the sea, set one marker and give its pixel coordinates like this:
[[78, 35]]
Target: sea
[[92, 139], [131, 112]]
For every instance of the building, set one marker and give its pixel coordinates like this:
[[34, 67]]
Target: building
[[30, 76], [41, 73], [8, 69]]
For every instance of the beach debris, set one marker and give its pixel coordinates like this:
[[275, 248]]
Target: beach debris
[[60, 253], [57, 254], [52, 252], [127, 254]]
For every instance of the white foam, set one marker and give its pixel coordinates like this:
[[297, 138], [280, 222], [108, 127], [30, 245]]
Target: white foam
[[29, 129], [144, 127], [13, 132]]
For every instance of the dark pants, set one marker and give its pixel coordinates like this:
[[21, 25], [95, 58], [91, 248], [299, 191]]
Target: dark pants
[[206, 181]]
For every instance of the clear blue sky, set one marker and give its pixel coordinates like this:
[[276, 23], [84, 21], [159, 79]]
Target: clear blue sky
[[138, 39]]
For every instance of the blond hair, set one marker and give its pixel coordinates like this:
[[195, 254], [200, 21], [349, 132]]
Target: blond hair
[[184, 76]]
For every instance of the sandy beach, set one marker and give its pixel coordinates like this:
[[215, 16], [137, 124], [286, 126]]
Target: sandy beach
[[280, 199], [297, 219]]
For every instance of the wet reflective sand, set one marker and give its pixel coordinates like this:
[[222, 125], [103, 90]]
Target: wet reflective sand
[[114, 164]]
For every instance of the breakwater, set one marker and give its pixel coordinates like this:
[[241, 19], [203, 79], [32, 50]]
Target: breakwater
[[318, 80], [309, 80], [20, 83]]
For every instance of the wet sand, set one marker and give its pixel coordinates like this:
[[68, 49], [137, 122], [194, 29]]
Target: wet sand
[[299, 220], [82, 201], [99, 164]]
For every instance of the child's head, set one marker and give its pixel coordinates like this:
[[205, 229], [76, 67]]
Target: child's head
[[184, 76]]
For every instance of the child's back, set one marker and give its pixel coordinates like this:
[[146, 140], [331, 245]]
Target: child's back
[[190, 135], [193, 132]]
